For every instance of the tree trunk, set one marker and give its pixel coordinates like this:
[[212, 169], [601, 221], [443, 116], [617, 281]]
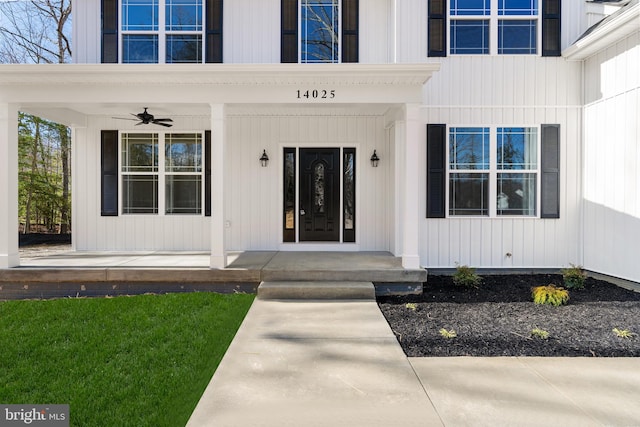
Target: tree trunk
[[64, 158], [34, 171]]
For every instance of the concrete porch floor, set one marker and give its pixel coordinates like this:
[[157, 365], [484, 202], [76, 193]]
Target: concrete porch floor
[[57, 273]]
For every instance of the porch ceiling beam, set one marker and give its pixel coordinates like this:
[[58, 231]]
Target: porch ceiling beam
[[218, 74], [329, 84], [204, 94]]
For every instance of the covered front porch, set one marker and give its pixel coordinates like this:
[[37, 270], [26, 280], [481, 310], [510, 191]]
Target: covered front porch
[[68, 273], [242, 110]]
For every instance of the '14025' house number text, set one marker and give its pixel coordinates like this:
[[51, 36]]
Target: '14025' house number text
[[316, 94]]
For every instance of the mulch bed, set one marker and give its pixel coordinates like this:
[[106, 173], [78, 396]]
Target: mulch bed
[[497, 319]]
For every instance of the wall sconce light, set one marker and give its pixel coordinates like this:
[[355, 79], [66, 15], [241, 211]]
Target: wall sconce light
[[264, 159], [375, 159]]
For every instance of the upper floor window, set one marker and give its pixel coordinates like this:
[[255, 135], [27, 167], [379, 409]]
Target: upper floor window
[[493, 27], [319, 31], [319, 35], [485, 26], [162, 31]]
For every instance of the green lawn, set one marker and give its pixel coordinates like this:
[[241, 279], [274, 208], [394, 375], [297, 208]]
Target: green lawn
[[125, 361]]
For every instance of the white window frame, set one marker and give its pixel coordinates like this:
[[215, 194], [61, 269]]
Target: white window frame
[[161, 33], [162, 173], [493, 19], [494, 171], [338, 30]]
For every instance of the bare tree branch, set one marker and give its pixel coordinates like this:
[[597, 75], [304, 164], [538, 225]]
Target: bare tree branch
[[39, 27]]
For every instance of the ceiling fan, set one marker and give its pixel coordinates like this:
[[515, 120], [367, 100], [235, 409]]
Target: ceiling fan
[[146, 118]]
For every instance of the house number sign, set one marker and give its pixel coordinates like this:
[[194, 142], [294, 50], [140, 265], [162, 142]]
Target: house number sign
[[316, 94]]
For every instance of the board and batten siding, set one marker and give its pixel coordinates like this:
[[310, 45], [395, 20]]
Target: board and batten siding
[[254, 204], [126, 232], [251, 31], [86, 31], [612, 160], [515, 80], [410, 31], [507, 91]]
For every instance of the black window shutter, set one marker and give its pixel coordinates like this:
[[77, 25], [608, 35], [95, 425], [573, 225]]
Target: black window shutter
[[109, 172], [350, 30], [213, 41], [436, 170], [289, 31], [109, 19], [550, 179], [437, 28], [207, 173], [551, 27]]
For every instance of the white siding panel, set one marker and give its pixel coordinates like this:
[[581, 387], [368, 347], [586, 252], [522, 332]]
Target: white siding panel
[[86, 32], [504, 80], [375, 32], [574, 21], [411, 31], [251, 31], [612, 161]]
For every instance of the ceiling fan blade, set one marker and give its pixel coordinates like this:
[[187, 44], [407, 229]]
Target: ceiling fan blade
[[162, 120], [139, 123], [162, 124], [124, 118]]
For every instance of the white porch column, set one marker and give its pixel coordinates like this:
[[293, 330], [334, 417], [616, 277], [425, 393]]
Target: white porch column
[[414, 138], [218, 156], [9, 256]]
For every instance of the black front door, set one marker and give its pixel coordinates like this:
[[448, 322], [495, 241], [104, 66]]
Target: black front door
[[319, 195]]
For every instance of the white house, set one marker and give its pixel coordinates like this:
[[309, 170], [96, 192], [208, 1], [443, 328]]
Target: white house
[[507, 134]]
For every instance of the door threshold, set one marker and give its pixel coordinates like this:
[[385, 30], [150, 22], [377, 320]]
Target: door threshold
[[320, 247]]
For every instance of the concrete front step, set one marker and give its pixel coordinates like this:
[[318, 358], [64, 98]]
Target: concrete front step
[[316, 290]]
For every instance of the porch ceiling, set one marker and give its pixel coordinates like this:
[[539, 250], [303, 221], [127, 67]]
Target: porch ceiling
[[69, 93]]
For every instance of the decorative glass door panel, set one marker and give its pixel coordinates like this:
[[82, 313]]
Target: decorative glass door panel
[[319, 195], [349, 195]]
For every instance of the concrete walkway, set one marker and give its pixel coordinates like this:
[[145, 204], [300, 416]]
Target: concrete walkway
[[315, 363]]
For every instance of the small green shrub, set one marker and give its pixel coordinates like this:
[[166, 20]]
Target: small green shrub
[[623, 333], [550, 294], [448, 334], [466, 277], [411, 306], [540, 333], [574, 277]]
